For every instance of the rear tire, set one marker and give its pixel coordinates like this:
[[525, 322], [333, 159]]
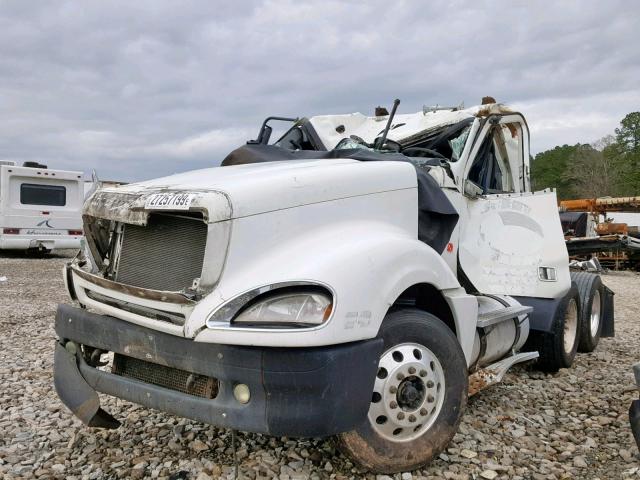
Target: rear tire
[[591, 292], [558, 348], [419, 395]]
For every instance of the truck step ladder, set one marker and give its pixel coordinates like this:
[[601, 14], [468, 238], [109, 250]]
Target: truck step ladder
[[492, 374], [501, 315]]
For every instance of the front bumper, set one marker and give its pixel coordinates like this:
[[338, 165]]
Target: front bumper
[[634, 410], [297, 392], [25, 242]]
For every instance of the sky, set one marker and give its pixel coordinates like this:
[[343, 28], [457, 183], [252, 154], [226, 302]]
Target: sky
[[143, 89]]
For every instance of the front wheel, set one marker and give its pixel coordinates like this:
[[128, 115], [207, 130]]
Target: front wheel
[[418, 396]]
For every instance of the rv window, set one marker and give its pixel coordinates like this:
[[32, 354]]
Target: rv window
[[52, 195]]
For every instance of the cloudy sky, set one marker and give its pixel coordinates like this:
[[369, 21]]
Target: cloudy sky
[[142, 89]]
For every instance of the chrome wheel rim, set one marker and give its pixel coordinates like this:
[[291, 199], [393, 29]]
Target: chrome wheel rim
[[595, 314], [570, 325], [408, 393]]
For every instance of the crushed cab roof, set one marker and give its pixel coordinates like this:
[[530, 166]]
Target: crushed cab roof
[[333, 128]]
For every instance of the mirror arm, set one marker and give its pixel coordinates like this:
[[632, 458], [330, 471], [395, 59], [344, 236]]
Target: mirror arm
[[265, 130]]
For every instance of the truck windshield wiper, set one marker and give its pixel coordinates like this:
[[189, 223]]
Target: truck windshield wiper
[[379, 143]]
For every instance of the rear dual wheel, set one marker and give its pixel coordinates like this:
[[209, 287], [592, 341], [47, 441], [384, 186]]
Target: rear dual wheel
[[591, 290], [418, 397], [558, 347]]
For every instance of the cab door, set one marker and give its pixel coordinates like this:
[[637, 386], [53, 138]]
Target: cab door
[[511, 241]]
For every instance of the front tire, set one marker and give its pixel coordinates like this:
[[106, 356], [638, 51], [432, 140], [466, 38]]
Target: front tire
[[419, 395], [591, 292]]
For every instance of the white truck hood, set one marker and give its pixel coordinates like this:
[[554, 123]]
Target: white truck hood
[[243, 190]]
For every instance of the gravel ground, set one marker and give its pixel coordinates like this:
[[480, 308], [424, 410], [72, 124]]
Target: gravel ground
[[572, 424]]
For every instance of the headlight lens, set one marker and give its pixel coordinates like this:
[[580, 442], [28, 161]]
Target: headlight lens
[[288, 309]]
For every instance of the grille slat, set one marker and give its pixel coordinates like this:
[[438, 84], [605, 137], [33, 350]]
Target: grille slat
[[166, 377], [167, 254], [170, 317]]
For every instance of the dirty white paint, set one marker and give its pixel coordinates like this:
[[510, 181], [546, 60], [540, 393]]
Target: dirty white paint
[[506, 238]]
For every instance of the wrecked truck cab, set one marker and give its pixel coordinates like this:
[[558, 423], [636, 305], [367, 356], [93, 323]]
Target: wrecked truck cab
[[260, 259], [362, 291], [163, 336]]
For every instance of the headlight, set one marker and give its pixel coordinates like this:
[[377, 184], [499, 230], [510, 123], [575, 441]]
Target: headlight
[[288, 309]]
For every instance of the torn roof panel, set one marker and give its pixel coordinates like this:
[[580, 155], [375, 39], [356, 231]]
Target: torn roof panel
[[333, 128], [369, 128]]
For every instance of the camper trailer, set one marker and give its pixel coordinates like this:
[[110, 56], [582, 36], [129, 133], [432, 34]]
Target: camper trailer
[[40, 208]]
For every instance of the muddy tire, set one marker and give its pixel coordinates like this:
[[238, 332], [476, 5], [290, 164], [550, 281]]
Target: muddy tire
[[419, 395], [558, 348], [591, 292]]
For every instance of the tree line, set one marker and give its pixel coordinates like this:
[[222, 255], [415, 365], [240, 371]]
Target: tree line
[[608, 167]]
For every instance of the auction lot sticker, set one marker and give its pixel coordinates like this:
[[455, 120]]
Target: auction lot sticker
[[169, 201]]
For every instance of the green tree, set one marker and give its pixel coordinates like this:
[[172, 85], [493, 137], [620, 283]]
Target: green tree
[[628, 154], [608, 167], [628, 135], [548, 170], [590, 172]]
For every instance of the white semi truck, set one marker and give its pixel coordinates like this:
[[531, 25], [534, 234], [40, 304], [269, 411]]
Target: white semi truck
[[40, 208], [359, 279]]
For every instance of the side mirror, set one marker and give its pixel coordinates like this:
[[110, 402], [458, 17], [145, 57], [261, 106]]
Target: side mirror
[[471, 189]]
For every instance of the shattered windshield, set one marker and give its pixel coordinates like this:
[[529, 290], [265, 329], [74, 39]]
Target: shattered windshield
[[349, 143], [457, 143], [446, 142]]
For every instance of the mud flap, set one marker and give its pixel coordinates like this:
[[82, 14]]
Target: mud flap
[[634, 419], [608, 321], [76, 393]]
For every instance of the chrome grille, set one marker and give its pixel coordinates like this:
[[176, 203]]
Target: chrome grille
[[166, 254], [166, 377]]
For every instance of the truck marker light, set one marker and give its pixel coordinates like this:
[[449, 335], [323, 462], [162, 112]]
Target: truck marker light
[[242, 393], [327, 312], [75, 232], [450, 247], [11, 231]]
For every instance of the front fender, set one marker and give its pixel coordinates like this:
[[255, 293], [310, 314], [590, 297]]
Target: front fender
[[367, 264]]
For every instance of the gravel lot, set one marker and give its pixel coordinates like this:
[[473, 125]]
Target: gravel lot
[[570, 425]]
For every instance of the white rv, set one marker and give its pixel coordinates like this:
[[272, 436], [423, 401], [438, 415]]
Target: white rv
[[40, 209]]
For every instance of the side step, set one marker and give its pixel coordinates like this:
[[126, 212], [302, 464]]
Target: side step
[[493, 373], [497, 316]]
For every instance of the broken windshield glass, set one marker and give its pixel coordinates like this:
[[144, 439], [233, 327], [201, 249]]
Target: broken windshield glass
[[457, 143]]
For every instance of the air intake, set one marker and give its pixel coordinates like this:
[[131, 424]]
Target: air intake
[[166, 377]]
